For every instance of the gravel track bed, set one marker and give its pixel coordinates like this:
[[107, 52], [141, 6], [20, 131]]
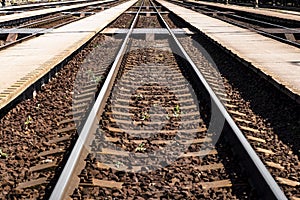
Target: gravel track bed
[[272, 114], [149, 22], [123, 21], [179, 179], [33, 20], [169, 21], [147, 3], [27, 129], [52, 24], [234, 21]]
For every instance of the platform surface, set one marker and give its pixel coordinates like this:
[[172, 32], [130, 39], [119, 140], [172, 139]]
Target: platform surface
[[284, 14], [23, 64], [278, 60]]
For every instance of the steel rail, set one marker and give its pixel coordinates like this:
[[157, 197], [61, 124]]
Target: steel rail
[[90, 124], [277, 192]]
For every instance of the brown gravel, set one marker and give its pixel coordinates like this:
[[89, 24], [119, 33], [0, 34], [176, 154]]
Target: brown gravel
[[149, 22], [123, 21], [275, 116], [178, 180], [26, 129]]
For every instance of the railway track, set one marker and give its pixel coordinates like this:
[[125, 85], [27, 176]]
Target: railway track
[[22, 31], [263, 124], [284, 31], [121, 152], [36, 6], [279, 151], [16, 19], [46, 129], [151, 136], [272, 5]]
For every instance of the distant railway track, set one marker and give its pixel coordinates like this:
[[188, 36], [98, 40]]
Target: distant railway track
[[287, 32], [19, 31], [281, 5], [8, 10], [18, 18], [49, 143]]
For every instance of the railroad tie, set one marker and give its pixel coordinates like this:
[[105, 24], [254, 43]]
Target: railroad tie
[[32, 183], [288, 182], [216, 184]]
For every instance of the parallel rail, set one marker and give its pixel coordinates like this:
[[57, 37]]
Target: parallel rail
[[267, 186]]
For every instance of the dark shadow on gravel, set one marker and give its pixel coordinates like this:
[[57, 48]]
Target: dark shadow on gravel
[[237, 175], [279, 111]]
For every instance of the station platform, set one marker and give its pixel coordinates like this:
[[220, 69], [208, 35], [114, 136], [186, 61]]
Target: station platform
[[23, 64], [278, 62], [29, 14], [283, 14]]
